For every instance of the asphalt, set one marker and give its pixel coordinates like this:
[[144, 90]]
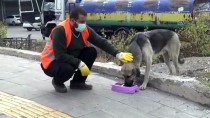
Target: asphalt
[[19, 31], [22, 79]]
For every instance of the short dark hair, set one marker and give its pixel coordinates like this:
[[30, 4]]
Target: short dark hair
[[76, 12]]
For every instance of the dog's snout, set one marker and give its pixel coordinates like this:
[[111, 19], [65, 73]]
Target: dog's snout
[[126, 76], [128, 82]]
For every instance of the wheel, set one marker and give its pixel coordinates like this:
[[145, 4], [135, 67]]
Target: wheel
[[123, 32], [29, 29], [13, 23]]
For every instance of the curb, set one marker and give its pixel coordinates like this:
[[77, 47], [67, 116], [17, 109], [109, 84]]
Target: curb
[[186, 87]]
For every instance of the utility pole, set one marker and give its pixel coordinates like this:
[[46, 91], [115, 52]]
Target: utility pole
[[2, 10]]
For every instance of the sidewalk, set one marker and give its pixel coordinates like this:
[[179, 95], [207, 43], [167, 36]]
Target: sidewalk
[[24, 78]]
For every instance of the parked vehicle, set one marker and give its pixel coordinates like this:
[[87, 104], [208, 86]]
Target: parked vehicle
[[30, 16], [35, 25], [112, 16], [13, 20]]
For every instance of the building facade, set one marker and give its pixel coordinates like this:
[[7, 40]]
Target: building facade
[[8, 7]]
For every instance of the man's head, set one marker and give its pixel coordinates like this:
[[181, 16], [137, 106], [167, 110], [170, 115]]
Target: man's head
[[78, 18], [130, 73]]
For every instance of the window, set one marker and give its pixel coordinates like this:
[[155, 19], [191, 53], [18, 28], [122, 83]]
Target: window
[[58, 5], [17, 16], [203, 6], [10, 16], [28, 3], [49, 6]]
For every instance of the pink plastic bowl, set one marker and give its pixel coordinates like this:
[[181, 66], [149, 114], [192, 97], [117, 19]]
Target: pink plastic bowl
[[118, 87]]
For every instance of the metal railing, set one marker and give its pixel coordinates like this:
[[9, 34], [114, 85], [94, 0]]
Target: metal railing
[[18, 42]]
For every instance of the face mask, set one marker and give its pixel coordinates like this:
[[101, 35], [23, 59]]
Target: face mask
[[80, 27]]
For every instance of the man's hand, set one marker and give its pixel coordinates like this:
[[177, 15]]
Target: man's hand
[[125, 57], [84, 69]]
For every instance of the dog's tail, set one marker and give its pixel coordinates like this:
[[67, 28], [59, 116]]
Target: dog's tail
[[181, 60]]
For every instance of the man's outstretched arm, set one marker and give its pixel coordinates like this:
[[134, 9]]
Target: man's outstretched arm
[[103, 44]]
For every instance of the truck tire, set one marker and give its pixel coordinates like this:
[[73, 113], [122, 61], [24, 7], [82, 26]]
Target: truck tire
[[29, 29], [124, 32], [13, 23]]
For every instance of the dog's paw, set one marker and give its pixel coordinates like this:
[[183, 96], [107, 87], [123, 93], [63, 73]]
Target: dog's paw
[[143, 86]]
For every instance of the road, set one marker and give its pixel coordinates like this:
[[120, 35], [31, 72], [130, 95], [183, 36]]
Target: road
[[24, 78], [18, 31]]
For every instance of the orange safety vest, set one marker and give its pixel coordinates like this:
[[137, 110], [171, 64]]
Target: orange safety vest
[[47, 55]]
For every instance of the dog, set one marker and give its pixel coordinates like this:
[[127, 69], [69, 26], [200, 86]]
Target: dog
[[148, 45]]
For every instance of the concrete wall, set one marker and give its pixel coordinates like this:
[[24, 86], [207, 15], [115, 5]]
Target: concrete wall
[[11, 8], [8, 7]]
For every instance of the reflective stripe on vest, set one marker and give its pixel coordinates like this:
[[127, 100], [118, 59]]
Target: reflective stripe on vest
[[47, 55]]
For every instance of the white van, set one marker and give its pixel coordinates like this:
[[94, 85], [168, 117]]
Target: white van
[[36, 25]]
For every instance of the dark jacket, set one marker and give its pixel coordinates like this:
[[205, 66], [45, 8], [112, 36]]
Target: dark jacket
[[70, 54]]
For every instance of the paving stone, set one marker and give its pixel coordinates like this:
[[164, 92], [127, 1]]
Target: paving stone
[[4, 116], [153, 94], [194, 109], [15, 69], [173, 101], [99, 102], [32, 81], [43, 85], [94, 99], [82, 110], [101, 80], [23, 80], [167, 112], [6, 85], [25, 91], [6, 75], [121, 110], [97, 114], [82, 96], [61, 102], [30, 77], [36, 66], [108, 93], [206, 116], [142, 103]]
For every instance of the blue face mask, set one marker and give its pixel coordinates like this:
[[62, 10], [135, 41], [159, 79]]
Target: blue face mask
[[80, 27]]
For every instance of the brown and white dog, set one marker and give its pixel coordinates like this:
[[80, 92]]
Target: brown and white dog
[[147, 45]]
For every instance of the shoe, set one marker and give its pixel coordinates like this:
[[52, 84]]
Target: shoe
[[81, 86], [59, 88]]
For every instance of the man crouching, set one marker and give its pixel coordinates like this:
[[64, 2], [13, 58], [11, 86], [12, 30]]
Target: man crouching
[[67, 52]]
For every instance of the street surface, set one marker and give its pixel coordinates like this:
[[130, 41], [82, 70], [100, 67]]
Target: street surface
[[24, 78], [19, 31]]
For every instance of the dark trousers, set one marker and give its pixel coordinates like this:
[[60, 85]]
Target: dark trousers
[[62, 72]]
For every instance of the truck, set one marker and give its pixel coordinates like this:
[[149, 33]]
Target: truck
[[30, 14], [113, 16]]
